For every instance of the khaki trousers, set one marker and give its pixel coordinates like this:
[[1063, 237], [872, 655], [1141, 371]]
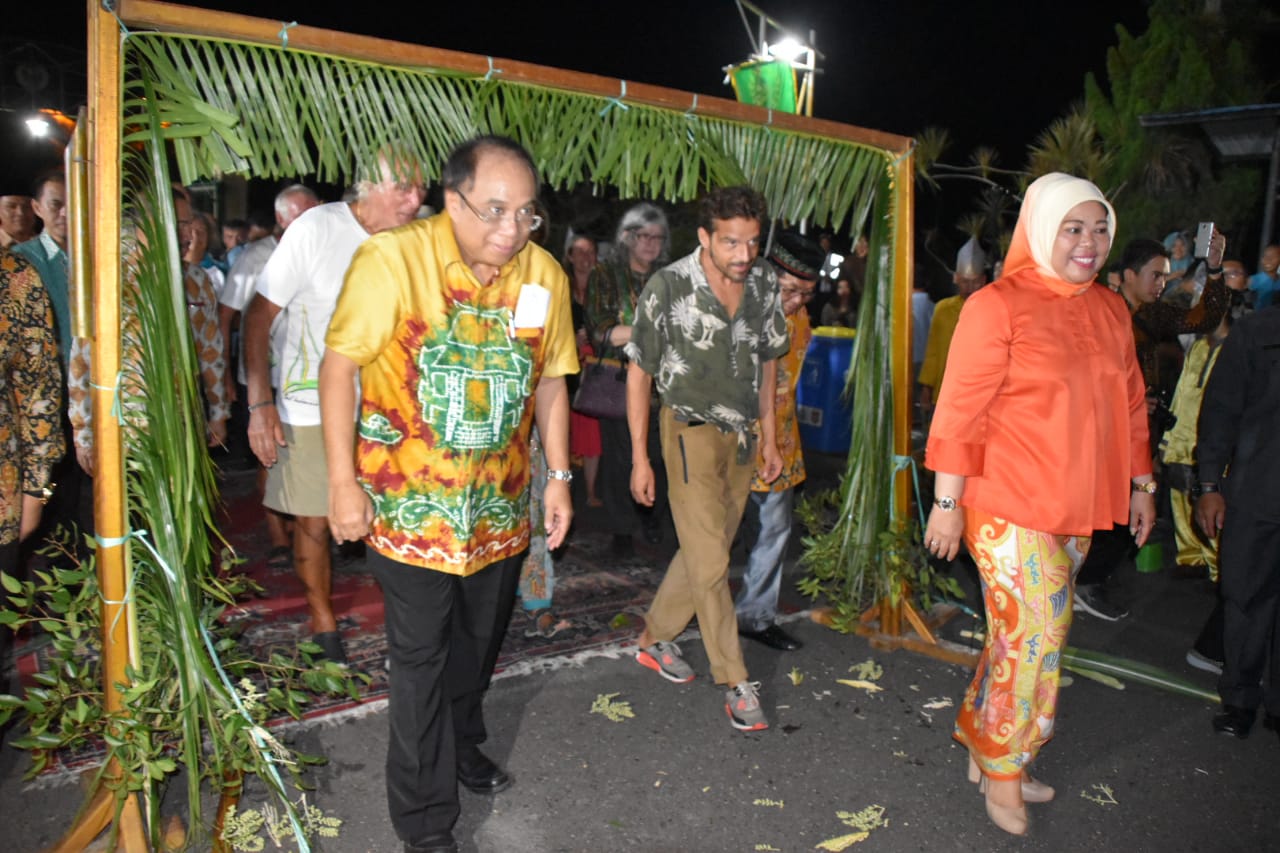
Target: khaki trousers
[[708, 490]]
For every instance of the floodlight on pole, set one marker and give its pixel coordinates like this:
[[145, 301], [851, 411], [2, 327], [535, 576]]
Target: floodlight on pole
[[788, 50], [38, 127], [775, 64]]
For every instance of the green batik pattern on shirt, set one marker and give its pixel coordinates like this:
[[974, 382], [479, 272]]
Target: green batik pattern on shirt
[[461, 508], [472, 387], [473, 384]]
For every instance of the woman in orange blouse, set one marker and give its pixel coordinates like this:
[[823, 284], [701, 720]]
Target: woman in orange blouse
[[1041, 415]]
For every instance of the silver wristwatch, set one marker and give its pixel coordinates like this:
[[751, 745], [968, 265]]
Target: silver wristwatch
[[946, 503], [553, 474]]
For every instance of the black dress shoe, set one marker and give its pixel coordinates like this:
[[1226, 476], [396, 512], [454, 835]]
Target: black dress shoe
[[441, 843], [1271, 722], [773, 637], [1234, 721], [478, 774]]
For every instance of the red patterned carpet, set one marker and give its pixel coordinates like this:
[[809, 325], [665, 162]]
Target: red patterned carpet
[[598, 600]]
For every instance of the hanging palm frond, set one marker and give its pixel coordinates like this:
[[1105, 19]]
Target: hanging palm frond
[[272, 112]]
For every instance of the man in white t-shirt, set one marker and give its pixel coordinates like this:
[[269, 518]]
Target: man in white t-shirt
[[242, 280], [300, 285]]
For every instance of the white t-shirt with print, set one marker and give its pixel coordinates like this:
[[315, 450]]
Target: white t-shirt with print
[[304, 277]]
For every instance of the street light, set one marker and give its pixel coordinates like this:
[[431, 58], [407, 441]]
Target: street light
[[38, 127], [767, 78]]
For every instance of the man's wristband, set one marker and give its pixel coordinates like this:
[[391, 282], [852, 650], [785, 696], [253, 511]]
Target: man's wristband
[[1212, 272], [42, 494], [1208, 488], [257, 406]]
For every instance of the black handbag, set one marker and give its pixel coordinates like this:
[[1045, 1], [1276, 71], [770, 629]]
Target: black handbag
[[602, 389]]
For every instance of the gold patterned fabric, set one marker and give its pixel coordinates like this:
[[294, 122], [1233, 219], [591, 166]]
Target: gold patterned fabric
[[30, 390], [1009, 710], [787, 428]]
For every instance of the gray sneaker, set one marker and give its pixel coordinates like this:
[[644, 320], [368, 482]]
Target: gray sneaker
[[664, 658], [1094, 599], [742, 702], [1204, 662]]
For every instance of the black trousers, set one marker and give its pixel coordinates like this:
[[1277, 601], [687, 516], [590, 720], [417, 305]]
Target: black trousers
[[1250, 587], [443, 637], [615, 476], [1106, 551]]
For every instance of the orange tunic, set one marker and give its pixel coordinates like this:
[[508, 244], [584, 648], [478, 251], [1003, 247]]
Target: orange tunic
[[1043, 407]]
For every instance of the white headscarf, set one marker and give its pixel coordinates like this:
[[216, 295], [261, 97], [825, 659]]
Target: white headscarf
[[1048, 200]]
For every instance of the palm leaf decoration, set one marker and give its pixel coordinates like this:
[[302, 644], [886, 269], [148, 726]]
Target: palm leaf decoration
[[232, 107], [217, 106]]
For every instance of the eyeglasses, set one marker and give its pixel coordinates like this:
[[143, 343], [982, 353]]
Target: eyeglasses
[[1234, 274], [524, 218], [805, 294], [642, 237]]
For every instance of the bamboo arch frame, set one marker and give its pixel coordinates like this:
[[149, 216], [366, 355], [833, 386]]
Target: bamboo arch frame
[[105, 132]]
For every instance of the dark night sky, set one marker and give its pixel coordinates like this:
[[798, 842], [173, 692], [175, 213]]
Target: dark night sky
[[993, 72]]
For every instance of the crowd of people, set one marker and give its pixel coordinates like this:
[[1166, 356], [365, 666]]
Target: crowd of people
[[406, 380]]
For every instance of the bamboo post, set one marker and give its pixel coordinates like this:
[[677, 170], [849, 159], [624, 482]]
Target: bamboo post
[[883, 623], [104, 806]]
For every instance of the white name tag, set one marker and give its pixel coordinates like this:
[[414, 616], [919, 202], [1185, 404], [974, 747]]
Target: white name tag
[[531, 308]]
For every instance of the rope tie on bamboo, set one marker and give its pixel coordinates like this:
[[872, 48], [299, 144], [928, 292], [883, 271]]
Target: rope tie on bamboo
[[267, 745], [284, 33], [911, 146], [111, 6], [693, 108], [616, 102], [116, 542], [901, 463], [115, 395], [488, 75]]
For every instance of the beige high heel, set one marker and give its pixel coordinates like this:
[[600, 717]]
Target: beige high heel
[[1012, 820], [1033, 790]]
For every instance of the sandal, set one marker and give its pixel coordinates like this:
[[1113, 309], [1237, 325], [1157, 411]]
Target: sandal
[[543, 623], [280, 557]]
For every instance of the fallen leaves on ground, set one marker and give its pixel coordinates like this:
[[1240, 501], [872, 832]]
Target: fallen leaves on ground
[[767, 802], [796, 676], [868, 670], [611, 710], [870, 818], [868, 686], [937, 702], [1105, 796]]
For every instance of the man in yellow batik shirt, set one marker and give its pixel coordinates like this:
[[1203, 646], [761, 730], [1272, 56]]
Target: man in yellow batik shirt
[[767, 524], [461, 332]]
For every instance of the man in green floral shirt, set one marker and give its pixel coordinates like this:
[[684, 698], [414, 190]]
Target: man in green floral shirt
[[708, 331]]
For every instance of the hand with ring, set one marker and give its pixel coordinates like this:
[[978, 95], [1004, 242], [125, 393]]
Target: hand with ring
[[943, 533]]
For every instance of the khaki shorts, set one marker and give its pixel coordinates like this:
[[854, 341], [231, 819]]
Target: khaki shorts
[[298, 484]]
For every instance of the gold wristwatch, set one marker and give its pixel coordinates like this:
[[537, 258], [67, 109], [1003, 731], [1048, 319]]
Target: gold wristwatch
[[1149, 487]]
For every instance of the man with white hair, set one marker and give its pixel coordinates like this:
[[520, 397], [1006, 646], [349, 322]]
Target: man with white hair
[[300, 285], [969, 277], [290, 203]]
